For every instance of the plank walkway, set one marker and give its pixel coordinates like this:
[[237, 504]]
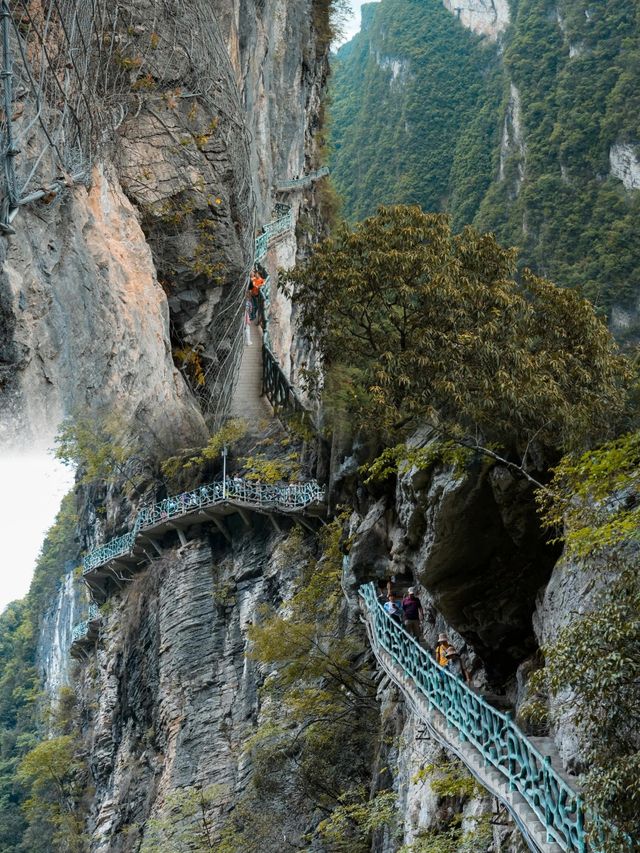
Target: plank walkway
[[247, 401]]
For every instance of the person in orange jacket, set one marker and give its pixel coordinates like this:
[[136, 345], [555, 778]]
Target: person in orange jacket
[[256, 283]]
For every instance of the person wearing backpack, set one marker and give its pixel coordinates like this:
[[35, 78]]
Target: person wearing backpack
[[413, 613]]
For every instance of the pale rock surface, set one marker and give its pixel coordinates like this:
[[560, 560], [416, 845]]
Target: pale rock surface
[[484, 17], [89, 321], [625, 164], [54, 640], [572, 591], [512, 144], [177, 697]]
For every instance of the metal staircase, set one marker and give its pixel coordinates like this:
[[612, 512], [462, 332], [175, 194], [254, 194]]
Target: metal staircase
[[547, 810]]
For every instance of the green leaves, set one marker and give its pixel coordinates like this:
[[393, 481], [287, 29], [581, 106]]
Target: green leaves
[[594, 497], [412, 319]]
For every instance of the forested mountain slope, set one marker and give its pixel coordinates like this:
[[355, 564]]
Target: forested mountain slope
[[533, 136]]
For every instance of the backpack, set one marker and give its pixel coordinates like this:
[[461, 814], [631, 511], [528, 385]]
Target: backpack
[[441, 654]]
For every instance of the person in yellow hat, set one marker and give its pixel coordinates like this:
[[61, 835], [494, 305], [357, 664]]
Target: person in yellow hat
[[441, 650]]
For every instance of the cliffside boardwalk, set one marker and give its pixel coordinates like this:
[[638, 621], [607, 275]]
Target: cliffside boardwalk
[[303, 182], [259, 379], [113, 562], [547, 810]]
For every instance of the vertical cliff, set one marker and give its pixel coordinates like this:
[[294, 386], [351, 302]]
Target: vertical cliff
[[526, 110]]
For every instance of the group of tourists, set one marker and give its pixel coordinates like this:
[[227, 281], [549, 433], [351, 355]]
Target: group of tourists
[[408, 611]]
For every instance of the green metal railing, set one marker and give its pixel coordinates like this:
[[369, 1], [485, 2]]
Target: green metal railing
[[276, 387], [280, 225], [493, 733], [235, 490], [81, 630], [303, 182]]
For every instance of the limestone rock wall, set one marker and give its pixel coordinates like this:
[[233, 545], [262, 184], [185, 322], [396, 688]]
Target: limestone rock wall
[[471, 540], [409, 760], [172, 699], [485, 17], [88, 320], [56, 628], [100, 285]]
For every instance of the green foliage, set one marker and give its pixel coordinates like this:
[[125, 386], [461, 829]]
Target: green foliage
[[19, 680], [100, 448], [186, 824], [349, 827], [318, 713], [55, 778], [265, 470], [180, 469], [573, 223], [451, 838], [593, 666], [594, 497], [401, 457], [428, 325], [448, 778], [407, 116], [433, 134]]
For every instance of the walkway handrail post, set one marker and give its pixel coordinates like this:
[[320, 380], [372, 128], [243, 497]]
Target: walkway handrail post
[[224, 472]]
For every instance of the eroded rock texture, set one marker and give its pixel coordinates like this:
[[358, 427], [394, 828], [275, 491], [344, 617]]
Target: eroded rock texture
[[177, 698], [473, 542], [103, 290]]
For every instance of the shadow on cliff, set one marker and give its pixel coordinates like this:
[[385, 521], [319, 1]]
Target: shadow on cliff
[[473, 541]]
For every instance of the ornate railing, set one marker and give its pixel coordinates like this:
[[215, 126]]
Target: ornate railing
[[81, 630], [276, 387], [280, 225], [235, 490], [303, 182], [493, 733], [109, 551]]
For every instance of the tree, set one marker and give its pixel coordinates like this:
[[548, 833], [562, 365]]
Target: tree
[[314, 743], [415, 323], [187, 822], [20, 684], [101, 448], [55, 778]]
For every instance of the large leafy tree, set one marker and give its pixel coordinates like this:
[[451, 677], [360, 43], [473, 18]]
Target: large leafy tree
[[416, 322]]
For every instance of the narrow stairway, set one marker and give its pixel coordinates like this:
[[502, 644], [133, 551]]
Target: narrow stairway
[[514, 768]]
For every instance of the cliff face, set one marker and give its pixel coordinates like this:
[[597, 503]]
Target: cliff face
[[172, 699], [485, 17], [533, 101], [101, 284]]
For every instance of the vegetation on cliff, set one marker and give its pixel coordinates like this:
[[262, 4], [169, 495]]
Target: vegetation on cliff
[[593, 666], [20, 686], [540, 179], [416, 324], [404, 92]]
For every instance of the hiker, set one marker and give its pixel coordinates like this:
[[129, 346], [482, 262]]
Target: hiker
[[393, 608], [413, 613], [441, 650], [455, 665], [257, 281]]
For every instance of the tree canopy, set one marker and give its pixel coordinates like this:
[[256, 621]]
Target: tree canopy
[[416, 322]]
